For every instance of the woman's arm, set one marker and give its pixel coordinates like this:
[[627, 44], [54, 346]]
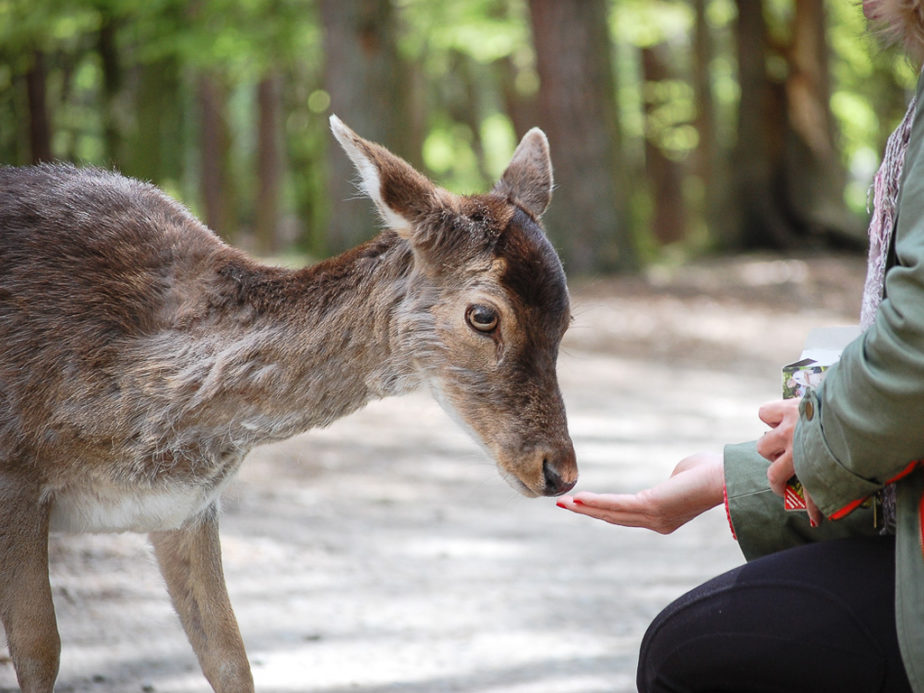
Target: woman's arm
[[695, 486], [865, 423], [699, 483]]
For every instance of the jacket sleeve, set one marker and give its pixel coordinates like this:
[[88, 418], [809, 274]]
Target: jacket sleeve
[[863, 425], [756, 514]]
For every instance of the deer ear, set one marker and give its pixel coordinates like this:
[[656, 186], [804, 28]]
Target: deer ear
[[528, 178], [401, 194]]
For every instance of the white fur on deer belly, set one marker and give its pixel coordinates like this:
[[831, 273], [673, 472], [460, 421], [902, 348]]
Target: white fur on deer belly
[[113, 509]]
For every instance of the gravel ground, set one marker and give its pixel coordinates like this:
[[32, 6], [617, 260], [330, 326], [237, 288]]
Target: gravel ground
[[385, 554]]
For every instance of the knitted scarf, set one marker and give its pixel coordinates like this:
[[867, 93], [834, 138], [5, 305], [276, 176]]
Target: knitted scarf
[[885, 202], [885, 199]]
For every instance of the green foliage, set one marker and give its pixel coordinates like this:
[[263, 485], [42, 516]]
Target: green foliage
[[470, 63], [872, 84], [459, 48], [484, 30]]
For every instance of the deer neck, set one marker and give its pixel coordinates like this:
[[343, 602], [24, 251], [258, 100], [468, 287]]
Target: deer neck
[[299, 349]]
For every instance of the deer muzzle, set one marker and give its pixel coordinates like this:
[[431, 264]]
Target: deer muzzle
[[543, 471], [559, 470]]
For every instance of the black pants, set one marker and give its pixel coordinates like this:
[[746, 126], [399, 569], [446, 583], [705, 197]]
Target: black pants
[[815, 618]]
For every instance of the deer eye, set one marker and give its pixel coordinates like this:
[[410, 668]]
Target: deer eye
[[482, 318]]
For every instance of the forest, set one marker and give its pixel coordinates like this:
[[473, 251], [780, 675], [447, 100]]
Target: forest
[[677, 127]]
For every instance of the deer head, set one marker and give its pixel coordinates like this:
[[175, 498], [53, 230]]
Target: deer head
[[486, 305]]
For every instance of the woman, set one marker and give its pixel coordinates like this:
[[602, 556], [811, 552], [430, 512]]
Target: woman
[[833, 599]]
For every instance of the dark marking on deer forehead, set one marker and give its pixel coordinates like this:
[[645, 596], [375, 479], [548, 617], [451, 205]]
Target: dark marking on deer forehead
[[490, 213], [534, 273]]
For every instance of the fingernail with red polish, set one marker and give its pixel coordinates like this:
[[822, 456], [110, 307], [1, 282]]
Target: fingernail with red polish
[[576, 501]]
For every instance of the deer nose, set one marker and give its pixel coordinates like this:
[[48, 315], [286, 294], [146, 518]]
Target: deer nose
[[559, 469]]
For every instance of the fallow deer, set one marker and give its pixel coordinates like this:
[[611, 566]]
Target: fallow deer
[[141, 358]]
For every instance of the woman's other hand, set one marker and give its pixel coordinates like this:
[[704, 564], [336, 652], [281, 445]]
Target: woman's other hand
[[776, 446]]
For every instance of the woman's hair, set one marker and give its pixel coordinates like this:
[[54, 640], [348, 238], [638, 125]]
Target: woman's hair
[[902, 21]]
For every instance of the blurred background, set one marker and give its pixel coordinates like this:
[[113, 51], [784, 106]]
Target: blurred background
[[678, 127]]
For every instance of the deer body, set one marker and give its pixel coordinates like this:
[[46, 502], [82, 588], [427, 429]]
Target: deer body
[[143, 358]]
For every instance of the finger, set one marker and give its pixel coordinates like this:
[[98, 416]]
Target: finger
[[602, 500], [816, 517], [616, 518], [582, 502], [780, 472], [698, 459], [766, 447], [625, 510], [771, 413], [783, 411], [772, 444], [588, 497], [613, 503]]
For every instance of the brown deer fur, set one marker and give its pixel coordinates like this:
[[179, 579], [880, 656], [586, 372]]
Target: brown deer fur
[[141, 359]]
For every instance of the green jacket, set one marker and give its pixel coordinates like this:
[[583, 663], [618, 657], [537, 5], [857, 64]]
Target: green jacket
[[860, 429]]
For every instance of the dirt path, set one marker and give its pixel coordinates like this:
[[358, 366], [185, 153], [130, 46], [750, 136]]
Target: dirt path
[[385, 554]]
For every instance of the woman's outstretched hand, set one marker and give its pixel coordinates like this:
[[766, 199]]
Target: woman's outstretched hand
[[696, 485]]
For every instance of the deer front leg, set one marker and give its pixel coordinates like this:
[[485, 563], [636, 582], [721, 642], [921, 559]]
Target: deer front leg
[[190, 561], [26, 607]]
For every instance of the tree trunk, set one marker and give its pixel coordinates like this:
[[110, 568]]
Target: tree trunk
[[708, 158], [789, 176], [269, 164], [814, 175], [520, 108], [39, 119], [665, 177], [112, 84], [368, 87], [760, 219], [577, 109], [215, 144]]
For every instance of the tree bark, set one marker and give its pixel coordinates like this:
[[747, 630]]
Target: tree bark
[[112, 84], [215, 144], [39, 118], [368, 86], [520, 108], [269, 164], [760, 219], [789, 176], [577, 110], [815, 176], [708, 157], [665, 177]]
